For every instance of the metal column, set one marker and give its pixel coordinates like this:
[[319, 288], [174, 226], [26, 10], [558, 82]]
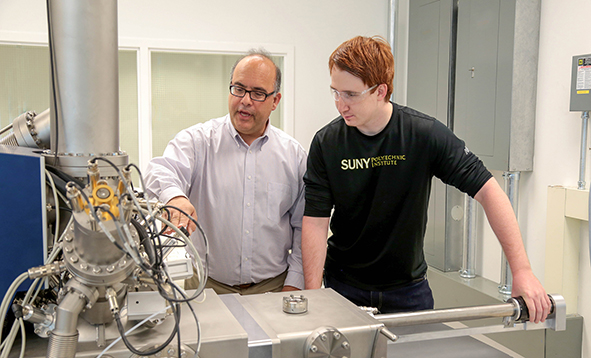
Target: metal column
[[84, 93], [512, 191], [585, 122], [468, 269]]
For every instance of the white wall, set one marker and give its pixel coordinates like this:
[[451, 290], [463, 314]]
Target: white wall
[[563, 34], [558, 131]]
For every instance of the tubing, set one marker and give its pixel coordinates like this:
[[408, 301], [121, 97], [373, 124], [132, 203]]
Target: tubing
[[448, 315]]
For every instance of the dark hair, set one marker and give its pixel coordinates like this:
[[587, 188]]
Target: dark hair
[[369, 58], [262, 53]]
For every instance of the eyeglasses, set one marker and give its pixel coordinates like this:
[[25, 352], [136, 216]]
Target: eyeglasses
[[255, 95], [348, 96]]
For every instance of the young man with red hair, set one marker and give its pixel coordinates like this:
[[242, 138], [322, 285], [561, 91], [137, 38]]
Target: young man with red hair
[[373, 165]]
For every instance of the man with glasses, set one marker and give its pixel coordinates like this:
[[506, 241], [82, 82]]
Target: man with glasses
[[242, 178], [373, 165]]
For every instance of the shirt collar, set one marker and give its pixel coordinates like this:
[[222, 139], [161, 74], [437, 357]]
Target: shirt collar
[[258, 143]]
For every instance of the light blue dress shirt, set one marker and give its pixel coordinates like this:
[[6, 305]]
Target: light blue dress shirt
[[249, 199]]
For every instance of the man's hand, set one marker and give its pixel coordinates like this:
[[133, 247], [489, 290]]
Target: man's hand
[[526, 285], [177, 218]]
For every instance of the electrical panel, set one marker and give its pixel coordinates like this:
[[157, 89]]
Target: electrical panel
[[496, 80], [580, 89]]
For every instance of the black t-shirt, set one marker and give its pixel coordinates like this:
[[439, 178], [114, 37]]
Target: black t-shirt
[[379, 188]]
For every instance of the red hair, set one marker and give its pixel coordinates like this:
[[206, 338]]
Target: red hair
[[369, 58]]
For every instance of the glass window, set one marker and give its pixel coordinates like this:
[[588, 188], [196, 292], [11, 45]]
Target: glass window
[[24, 81], [190, 88], [24, 86]]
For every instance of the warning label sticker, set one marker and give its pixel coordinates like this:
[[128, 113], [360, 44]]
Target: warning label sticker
[[583, 74]]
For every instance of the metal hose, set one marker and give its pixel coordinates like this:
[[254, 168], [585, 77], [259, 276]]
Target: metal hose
[[64, 337]]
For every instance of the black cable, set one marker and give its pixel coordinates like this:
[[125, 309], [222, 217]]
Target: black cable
[[131, 243], [178, 342], [65, 176], [53, 78], [190, 218], [157, 247], [174, 306], [165, 209], [59, 183], [176, 287], [176, 312], [194, 221], [154, 237], [162, 234], [61, 179], [139, 174], [206, 266], [173, 245], [159, 282], [158, 243], [144, 240], [156, 268], [118, 231], [137, 352], [153, 246], [175, 296]]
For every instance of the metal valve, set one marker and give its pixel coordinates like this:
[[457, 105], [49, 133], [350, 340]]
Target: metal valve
[[295, 305]]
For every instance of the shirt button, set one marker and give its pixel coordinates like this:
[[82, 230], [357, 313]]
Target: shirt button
[[249, 177], [248, 204], [246, 259], [248, 231]]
